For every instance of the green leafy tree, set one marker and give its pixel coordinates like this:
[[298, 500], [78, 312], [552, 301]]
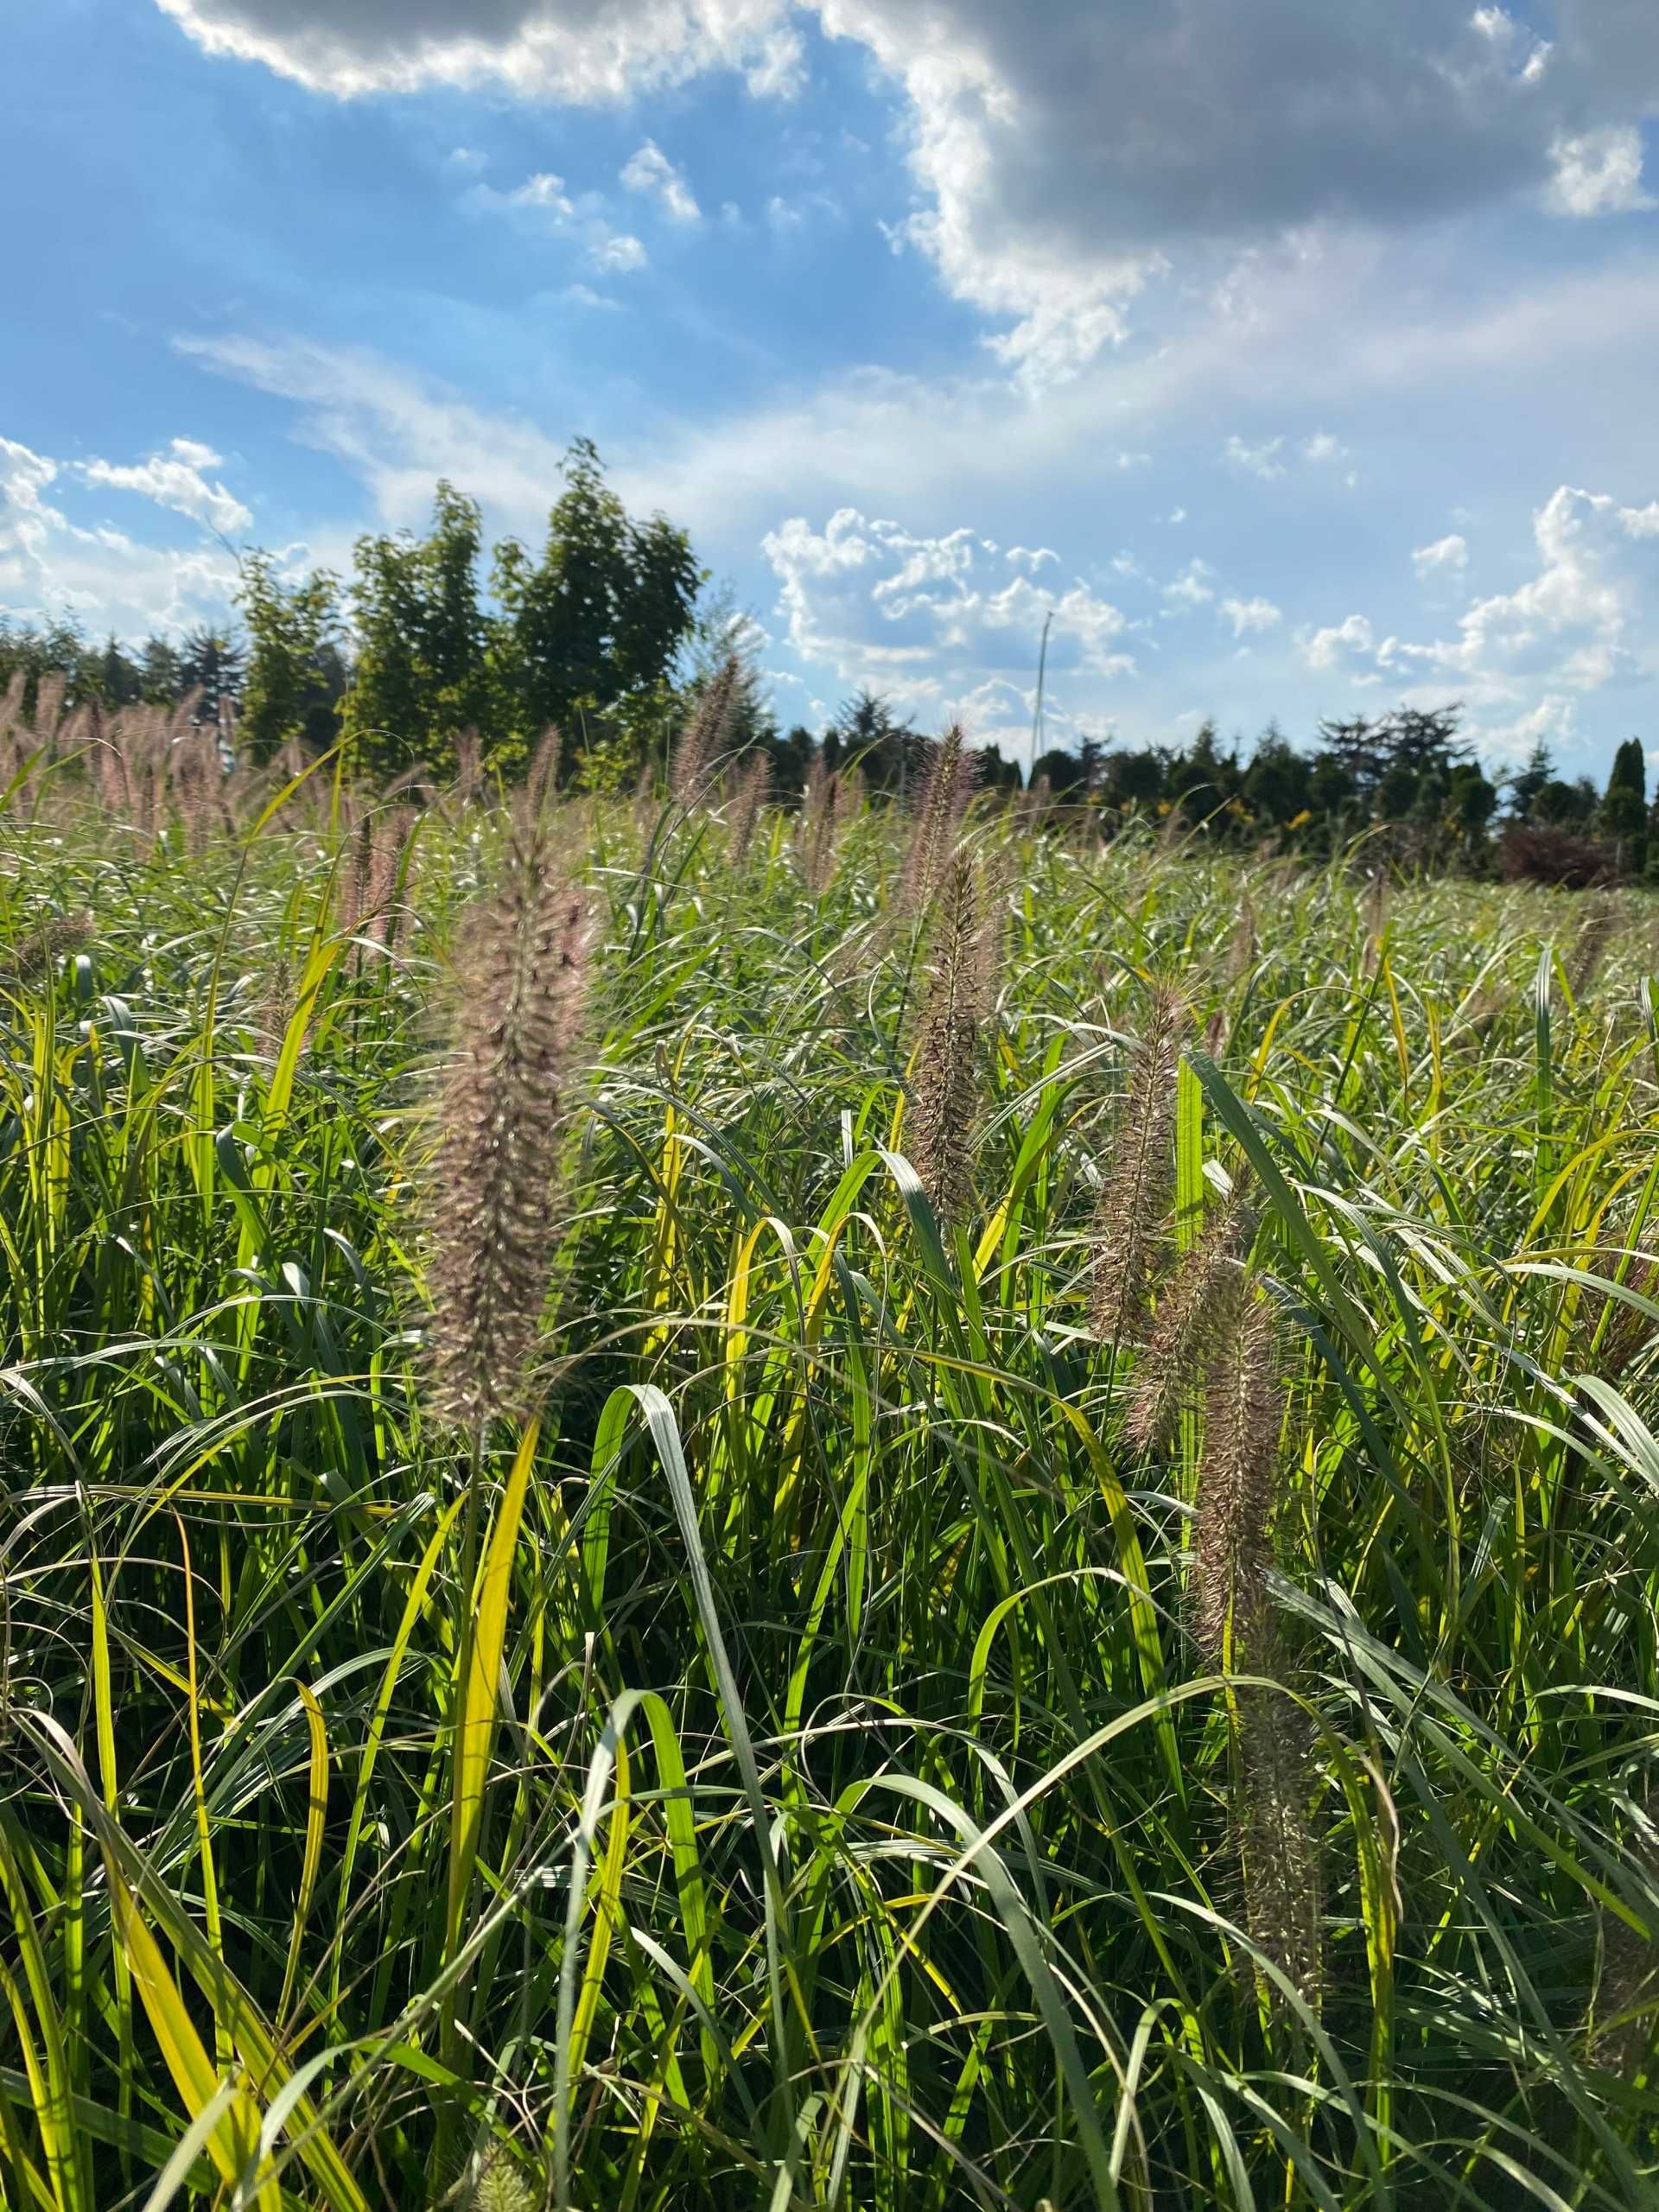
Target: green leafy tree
[[422, 671], [161, 679], [120, 683], [295, 672], [1624, 807], [212, 663], [1277, 782], [886, 745], [590, 632], [1524, 787]]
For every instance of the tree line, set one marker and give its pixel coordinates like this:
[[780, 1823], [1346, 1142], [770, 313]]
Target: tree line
[[609, 632]]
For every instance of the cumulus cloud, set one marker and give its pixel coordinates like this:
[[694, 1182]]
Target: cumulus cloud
[[563, 49], [929, 618], [176, 479], [1249, 616], [1588, 618], [650, 172], [1340, 645], [1598, 173], [1445, 555], [51, 566], [1065, 155]]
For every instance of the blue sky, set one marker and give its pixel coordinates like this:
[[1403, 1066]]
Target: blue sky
[[1297, 357]]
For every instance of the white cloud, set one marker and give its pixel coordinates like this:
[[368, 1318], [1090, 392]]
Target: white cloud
[[1598, 173], [1445, 555], [543, 201], [51, 566], [1322, 450], [1030, 558], [1250, 616], [1066, 157], [1260, 461], [649, 171], [928, 618], [1588, 619], [1192, 588], [176, 480], [1336, 647], [618, 249], [565, 49]]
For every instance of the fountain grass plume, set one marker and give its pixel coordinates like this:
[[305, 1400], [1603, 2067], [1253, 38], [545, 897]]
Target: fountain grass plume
[[696, 756], [522, 972], [1237, 1630], [1237, 1478], [753, 790], [942, 798], [945, 1089], [1132, 1212], [1169, 1374]]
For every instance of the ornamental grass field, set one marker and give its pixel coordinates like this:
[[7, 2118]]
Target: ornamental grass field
[[709, 1506]]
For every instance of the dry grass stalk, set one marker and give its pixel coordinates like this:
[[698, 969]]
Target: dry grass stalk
[[522, 972], [944, 1096], [1169, 1374], [1131, 1214], [941, 799], [748, 800], [696, 755]]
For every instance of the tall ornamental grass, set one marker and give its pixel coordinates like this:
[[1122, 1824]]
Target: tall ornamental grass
[[707, 1507]]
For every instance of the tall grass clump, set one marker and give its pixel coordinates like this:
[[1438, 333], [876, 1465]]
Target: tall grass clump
[[745, 1503]]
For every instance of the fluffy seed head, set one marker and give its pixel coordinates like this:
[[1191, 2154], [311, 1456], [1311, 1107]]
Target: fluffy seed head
[[1237, 1483], [829, 799], [1129, 1220], [1279, 1852], [1169, 1374], [697, 753], [754, 789], [942, 798], [501, 1114], [945, 1085], [543, 769]]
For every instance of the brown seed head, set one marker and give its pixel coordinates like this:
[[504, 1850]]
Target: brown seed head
[[696, 756], [1169, 1374], [754, 789], [501, 1112], [944, 1096], [1131, 1215], [1237, 1482], [942, 798]]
